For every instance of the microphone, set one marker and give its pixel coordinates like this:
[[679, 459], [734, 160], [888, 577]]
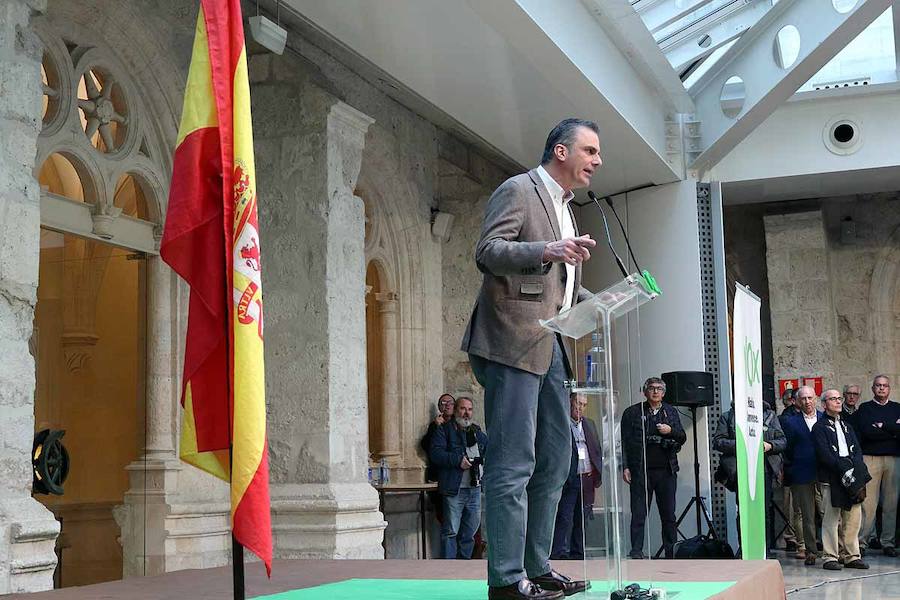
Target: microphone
[[619, 262], [622, 227]]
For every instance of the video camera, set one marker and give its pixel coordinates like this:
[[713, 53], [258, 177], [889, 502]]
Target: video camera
[[664, 442], [634, 592]]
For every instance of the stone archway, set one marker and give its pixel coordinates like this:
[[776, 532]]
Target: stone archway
[[884, 295], [394, 244]]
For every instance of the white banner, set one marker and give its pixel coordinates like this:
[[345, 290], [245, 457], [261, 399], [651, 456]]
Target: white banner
[[748, 423]]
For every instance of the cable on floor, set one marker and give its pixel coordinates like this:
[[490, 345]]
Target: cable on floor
[[821, 583]]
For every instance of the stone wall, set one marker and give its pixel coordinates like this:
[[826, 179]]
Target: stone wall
[[467, 180], [799, 295], [833, 271], [27, 529], [318, 122]]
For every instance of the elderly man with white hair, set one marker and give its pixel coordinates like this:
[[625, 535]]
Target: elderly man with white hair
[[800, 468], [843, 476]]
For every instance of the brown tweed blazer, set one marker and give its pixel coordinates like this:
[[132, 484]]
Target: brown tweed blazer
[[517, 289]]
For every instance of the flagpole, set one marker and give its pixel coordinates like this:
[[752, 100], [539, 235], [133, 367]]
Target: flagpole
[[237, 552], [237, 568]]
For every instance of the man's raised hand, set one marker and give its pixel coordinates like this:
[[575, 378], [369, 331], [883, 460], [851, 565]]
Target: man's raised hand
[[570, 250]]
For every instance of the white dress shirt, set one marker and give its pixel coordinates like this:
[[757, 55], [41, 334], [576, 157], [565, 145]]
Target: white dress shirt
[[561, 200], [810, 421]]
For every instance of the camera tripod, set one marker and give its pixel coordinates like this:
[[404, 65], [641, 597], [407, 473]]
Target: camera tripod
[[697, 501]]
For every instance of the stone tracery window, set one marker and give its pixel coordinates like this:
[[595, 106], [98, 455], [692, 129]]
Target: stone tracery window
[[102, 109], [93, 149]]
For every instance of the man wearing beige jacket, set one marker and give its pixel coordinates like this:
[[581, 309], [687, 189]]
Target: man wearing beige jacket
[[530, 253]]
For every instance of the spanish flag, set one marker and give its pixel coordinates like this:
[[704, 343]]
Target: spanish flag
[[211, 239]]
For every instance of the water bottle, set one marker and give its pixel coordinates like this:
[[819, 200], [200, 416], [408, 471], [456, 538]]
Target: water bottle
[[593, 361], [384, 474]]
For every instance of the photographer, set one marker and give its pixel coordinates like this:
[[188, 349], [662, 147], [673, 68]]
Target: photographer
[[457, 451], [652, 429]]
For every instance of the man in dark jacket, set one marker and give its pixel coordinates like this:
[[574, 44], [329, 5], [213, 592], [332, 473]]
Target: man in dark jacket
[[577, 497], [877, 423], [774, 443], [457, 451], [652, 429], [843, 475], [445, 405], [792, 533], [800, 468]]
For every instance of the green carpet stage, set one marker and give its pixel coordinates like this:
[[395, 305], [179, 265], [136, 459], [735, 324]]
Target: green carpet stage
[[424, 580], [465, 589]]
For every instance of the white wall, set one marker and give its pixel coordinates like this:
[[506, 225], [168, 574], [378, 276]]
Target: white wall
[[667, 333], [790, 142]]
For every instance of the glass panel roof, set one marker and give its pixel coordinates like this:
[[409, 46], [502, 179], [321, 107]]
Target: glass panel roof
[[679, 27]]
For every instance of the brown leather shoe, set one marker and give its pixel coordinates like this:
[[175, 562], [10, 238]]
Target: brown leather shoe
[[524, 589], [558, 581]]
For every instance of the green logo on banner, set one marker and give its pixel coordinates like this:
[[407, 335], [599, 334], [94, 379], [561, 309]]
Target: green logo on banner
[[752, 362]]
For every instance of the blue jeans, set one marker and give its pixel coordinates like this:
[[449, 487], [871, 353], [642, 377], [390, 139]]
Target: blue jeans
[[462, 516]]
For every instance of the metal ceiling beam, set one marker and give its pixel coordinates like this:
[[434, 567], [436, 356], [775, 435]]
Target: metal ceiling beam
[[701, 40], [660, 13], [624, 27], [896, 16], [823, 33]]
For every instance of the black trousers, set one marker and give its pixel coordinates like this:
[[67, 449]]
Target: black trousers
[[662, 484], [568, 535]]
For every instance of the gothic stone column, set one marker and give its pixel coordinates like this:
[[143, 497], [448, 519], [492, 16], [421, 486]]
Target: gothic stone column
[[314, 270], [27, 530], [390, 425], [153, 477]]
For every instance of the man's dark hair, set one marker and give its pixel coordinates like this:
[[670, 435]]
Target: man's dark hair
[[442, 396], [653, 381], [564, 133]]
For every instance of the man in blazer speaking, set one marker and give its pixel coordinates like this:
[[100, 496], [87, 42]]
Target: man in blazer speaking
[[530, 253]]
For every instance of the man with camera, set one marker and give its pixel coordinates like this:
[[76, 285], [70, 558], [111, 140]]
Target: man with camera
[[457, 452], [652, 435]]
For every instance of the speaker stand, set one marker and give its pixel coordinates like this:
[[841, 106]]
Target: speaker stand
[[698, 501]]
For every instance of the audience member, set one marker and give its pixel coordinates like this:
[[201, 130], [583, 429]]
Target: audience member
[[789, 403], [774, 443], [652, 429], [457, 451], [851, 400], [877, 425], [577, 498], [843, 475], [800, 469]]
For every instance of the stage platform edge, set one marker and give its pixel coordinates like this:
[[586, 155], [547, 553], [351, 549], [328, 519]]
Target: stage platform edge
[[754, 580]]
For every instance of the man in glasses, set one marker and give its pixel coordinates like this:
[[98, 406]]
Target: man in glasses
[[843, 476], [851, 400], [652, 435], [878, 425], [445, 408]]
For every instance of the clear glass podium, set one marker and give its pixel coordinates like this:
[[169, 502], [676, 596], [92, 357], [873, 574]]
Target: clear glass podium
[[591, 323]]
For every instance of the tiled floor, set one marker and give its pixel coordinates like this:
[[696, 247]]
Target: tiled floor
[[880, 582]]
